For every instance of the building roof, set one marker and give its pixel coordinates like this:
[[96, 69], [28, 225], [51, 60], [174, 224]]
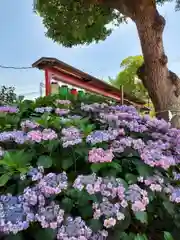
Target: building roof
[[46, 62]]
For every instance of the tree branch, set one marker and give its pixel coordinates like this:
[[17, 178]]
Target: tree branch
[[175, 81], [159, 22], [125, 7], [141, 73]]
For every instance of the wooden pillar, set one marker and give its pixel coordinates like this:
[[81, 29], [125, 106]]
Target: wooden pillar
[[122, 95], [47, 82]]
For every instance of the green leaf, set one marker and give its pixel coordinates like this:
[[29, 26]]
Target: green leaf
[[23, 159], [124, 236], [142, 217], [140, 237], [67, 204], [123, 182], [66, 163], [11, 189], [23, 170], [18, 236], [169, 207], [115, 165], [96, 167], [168, 236], [144, 170], [124, 224], [45, 234], [131, 236], [4, 179], [86, 212], [95, 225], [8, 159], [17, 159], [22, 185], [145, 237], [2, 162], [83, 198], [81, 150], [51, 145], [130, 178], [44, 161], [73, 193], [87, 129]]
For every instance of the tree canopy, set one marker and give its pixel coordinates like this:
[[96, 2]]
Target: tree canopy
[[128, 77], [75, 22]]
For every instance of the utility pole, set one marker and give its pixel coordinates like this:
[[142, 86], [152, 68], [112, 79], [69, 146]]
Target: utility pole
[[41, 89]]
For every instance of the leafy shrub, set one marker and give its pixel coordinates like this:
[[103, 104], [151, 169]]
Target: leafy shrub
[[7, 95], [90, 171]]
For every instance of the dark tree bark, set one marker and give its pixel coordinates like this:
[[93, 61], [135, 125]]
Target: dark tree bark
[[163, 85], [141, 73]]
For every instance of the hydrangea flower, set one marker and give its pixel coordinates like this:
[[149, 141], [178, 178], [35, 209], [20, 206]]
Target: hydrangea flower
[[8, 109], [99, 155], [38, 136], [63, 102], [50, 216], [29, 124], [75, 229], [53, 184], [16, 136], [13, 217], [103, 136], [43, 109], [156, 144], [61, 112], [137, 197], [71, 136], [175, 195]]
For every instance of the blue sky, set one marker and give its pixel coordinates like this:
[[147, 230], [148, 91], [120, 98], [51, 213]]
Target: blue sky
[[23, 41]]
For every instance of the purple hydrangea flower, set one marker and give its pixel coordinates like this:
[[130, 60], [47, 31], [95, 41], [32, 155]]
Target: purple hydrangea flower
[[8, 109], [43, 109], [75, 229], [61, 112], [71, 136]]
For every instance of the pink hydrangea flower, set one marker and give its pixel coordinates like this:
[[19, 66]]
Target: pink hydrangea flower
[[99, 155]]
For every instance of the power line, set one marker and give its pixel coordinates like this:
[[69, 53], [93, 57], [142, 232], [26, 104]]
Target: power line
[[29, 93], [15, 68]]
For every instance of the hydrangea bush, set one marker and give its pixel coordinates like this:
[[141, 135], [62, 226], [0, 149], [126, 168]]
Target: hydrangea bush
[[78, 171]]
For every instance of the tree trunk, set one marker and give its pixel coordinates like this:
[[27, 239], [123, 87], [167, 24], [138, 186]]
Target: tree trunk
[[162, 85]]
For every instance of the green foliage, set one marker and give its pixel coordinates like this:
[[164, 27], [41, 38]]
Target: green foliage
[[44, 161], [8, 122], [80, 22], [67, 204], [167, 236], [140, 237], [16, 161], [112, 168], [18, 236], [7, 95], [45, 234], [161, 215], [4, 179], [142, 217], [128, 78], [76, 22]]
